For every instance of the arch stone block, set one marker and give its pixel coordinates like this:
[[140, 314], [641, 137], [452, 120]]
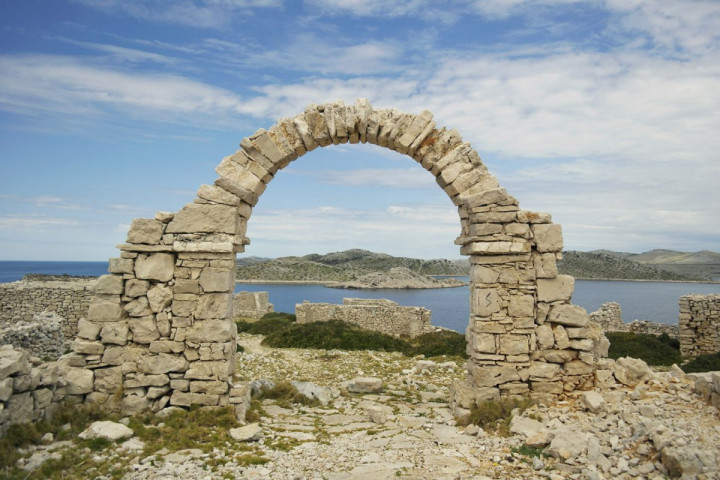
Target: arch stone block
[[165, 311]]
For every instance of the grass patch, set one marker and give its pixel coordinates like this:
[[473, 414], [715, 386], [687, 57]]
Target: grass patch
[[339, 335], [268, 324], [199, 427], [703, 363], [286, 394], [495, 415], [654, 350], [76, 417]]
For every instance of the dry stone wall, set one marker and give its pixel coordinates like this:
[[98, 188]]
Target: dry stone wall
[[161, 324], [20, 301], [699, 323], [30, 390], [252, 304], [609, 317], [380, 315]]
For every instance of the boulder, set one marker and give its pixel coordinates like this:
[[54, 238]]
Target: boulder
[[593, 402], [312, 391], [631, 371], [108, 430], [248, 433], [365, 385]]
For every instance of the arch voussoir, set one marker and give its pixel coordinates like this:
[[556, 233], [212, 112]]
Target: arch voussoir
[[165, 311]]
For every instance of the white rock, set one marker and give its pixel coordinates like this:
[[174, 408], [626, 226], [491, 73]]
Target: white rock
[[248, 433], [108, 430], [593, 401]]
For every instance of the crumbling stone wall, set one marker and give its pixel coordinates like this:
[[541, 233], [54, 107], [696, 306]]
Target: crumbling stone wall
[[42, 336], [652, 328], [161, 323], [70, 299], [699, 323], [609, 317], [30, 390], [380, 315], [252, 304]]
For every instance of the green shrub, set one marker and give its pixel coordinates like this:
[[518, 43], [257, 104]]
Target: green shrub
[[268, 324], [332, 335], [652, 349], [703, 363], [444, 342]]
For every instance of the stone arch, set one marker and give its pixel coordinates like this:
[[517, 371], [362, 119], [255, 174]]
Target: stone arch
[[160, 328]]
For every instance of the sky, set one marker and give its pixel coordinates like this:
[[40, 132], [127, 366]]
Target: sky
[[604, 113]]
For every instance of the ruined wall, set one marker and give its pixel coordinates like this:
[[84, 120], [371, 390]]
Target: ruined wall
[[652, 328], [609, 317], [699, 323], [70, 299], [379, 315], [252, 304], [29, 390]]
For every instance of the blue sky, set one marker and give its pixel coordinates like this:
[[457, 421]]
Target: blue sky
[[601, 112]]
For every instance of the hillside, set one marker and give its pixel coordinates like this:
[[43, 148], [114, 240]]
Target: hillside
[[704, 264], [350, 265], [398, 277], [609, 265], [343, 266]]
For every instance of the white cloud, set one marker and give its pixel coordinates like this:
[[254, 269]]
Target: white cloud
[[36, 84], [403, 230], [122, 54], [414, 178], [198, 13], [34, 221]]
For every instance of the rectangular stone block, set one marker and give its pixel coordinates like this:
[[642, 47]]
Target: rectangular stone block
[[514, 344], [185, 399], [570, 315], [205, 218], [555, 289], [548, 237], [211, 331], [485, 301]]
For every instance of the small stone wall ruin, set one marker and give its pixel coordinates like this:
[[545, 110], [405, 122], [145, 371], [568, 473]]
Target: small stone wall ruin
[[68, 298], [252, 304], [609, 317], [30, 390], [380, 315], [699, 323], [161, 324]]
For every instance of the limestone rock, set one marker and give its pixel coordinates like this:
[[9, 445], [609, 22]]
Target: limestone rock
[[548, 237], [248, 433], [312, 391], [569, 315], [631, 371], [13, 361], [365, 385], [205, 218], [524, 426], [79, 380], [108, 430], [109, 285], [593, 401], [155, 266], [145, 231], [555, 289], [159, 297], [568, 444]]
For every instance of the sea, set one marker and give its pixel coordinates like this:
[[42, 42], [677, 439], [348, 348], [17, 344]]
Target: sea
[[653, 301]]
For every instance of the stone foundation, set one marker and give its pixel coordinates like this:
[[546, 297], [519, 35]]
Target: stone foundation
[[699, 323], [67, 297], [252, 304], [379, 315]]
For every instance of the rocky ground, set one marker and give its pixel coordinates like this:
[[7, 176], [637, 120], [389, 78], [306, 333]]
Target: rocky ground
[[658, 429]]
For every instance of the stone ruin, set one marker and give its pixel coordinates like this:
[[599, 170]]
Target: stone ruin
[[699, 324], [253, 305], [379, 315], [160, 328]]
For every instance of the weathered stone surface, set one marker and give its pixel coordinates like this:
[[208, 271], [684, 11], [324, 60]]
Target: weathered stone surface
[[248, 433], [88, 330], [200, 218], [108, 380], [545, 337], [79, 380], [109, 285], [217, 280], [593, 401], [159, 297], [514, 344], [136, 288], [631, 371], [155, 266], [215, 194], [555, 289], [568, 444], [87, 347], [163, 363], [185, 399], [214, 305], [120, 265], [485, 301], [138, 307], [365, 385], [13, 361], [521, 306], [491, 376], [145, 230], [144, 329], [570, 315], [115, 333], [548, 237], [105, 308]]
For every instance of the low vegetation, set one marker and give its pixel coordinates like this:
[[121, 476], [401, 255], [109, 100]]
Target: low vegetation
[[495, 415], [281, 331], [703, 363], [654, 350]]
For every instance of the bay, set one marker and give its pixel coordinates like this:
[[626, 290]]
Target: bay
[[654, 301]]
